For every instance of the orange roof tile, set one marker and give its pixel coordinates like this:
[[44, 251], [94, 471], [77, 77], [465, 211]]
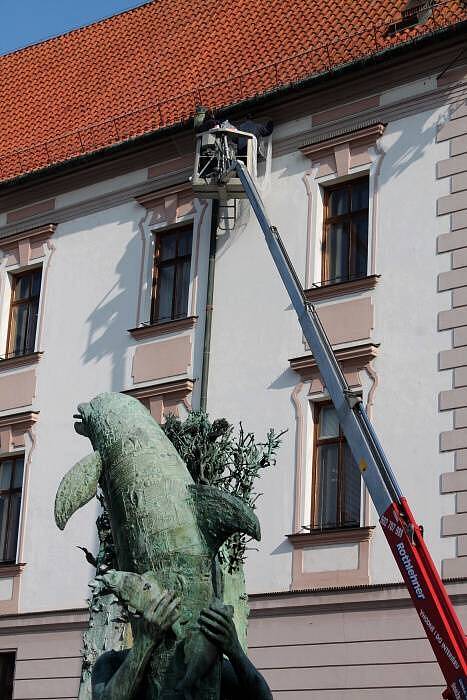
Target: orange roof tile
[[147, 68]]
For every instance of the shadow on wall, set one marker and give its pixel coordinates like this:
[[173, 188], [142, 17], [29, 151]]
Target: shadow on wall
[[404, 148], [115, 313]]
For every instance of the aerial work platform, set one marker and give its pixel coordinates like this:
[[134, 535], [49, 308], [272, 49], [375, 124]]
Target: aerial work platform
[[216, 149], [221, 173]]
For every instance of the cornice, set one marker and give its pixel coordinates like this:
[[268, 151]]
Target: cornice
[[357, 354], [154, 330], [27, 418], [42, 231], [31, 358], [382, 114], [180, 386], [317, 538], [349, 598], [319, 144], [331, 291], [10, 570], [152, 199], [95, 204], [53, 621]]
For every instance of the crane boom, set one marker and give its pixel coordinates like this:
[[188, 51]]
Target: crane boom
[[439, 619]]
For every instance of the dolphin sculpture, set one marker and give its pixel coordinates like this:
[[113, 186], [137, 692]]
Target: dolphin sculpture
[[166, 529]]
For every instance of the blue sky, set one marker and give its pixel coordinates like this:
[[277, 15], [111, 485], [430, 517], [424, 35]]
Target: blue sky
[[24, 22]]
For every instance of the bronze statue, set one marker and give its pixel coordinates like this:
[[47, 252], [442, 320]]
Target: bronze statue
[[167, 532]]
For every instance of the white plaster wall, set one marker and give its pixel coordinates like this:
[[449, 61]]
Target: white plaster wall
[[255, 333], [92, 297], [91, 301], [406, 309]]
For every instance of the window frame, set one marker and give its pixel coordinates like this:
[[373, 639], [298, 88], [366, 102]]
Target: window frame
[[156, 266], [15, 276], [317, 407], [10, 492], [327, 190]]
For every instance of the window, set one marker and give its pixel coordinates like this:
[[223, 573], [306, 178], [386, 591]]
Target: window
[[336, 478], [7, 672], [345, 235], [171, 278], [11, 486], [25, 292], [415, 12]]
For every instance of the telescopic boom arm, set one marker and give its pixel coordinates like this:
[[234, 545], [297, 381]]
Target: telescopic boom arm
[[436, 612]]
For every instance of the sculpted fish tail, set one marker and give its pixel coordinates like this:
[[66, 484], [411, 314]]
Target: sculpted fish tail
[[77, 488], [221, 515]]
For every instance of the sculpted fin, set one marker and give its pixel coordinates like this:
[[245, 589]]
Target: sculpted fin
[[77, 488], [220, 515]]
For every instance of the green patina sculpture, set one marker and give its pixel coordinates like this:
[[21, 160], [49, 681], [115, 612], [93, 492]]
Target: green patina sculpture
[[167, 531]]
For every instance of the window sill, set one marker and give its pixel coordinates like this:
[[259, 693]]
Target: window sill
[[8, 570], [339, 289], [153, 330], [31, 358], [336, 536]]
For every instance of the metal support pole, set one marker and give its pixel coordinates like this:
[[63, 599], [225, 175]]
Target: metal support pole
[[209, 307]]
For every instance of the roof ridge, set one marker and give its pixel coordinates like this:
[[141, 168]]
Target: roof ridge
[[76, 30]]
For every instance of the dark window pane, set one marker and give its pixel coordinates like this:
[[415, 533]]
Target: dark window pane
[[4, 501], [18, 329], [359, 253], [165, 290], [168, 246], [328, 423], [22, 287], [337, 246], [18, 474], [338, 202], [173, 263], [183, 285], [13, 525], [30, 341], [6, 469], [36, 282], [328, 468], [7, 672], [359, 196], [352, 490], [184, 243]]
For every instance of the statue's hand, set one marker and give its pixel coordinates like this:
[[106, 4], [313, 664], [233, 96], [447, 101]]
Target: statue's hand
[[216, 623], [159, 615]]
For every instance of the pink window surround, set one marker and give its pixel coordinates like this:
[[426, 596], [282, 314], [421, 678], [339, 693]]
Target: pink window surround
[[164, 209], [25, 248], [19, 251], [453, 323], [340, 155], [168, 397], [354, 361], [17, 436]]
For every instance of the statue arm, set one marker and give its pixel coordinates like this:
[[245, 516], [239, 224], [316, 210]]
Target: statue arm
[[121, 682], [118, 675], [239, 676]]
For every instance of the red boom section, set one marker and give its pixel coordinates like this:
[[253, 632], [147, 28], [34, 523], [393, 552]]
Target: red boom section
[[434, 607]]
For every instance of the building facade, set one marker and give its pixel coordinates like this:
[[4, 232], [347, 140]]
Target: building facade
[[104, 260]]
